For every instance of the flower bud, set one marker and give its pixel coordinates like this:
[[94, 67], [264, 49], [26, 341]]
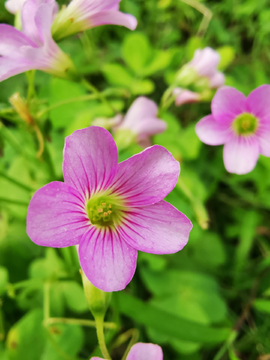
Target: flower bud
[[97, 300], [20, 106]]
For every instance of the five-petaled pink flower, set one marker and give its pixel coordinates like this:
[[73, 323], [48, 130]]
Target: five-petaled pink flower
[[141, 122], [110, 210], [81, 15], [242, 124], [142, 351], [33, 48], [205, 63]]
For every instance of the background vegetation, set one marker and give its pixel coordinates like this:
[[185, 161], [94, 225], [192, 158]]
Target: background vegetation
[[209, 301]]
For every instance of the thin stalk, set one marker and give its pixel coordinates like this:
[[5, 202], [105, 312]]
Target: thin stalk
[[16, 182], [100, 95], [101, 338], [46, 301], [134, 333], [82, 322], [207, 15], [2, 328], [31, 84], [14, 142]]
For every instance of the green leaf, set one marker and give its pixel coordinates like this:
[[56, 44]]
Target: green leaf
[[3, 280], [142, 87], [190, 295], [63, 90], [160, 61], [26, 339], [51, 267], [136, 51], [166, 323], [74, 296], [117, 75], [69, 339], [227, 55], [262, 305]]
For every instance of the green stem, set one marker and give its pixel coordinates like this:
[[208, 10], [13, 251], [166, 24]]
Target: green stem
[[207, 15], [46, 304], [31, 84], [100, 95], [101, 338], [47, 157], [226, 345], [83, 322], [134, 338], [8, 136], [16, 182], [14, 202], [2, 329]]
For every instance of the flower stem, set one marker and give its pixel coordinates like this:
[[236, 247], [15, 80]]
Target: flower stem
[[101, 339], [100, 95], [31, 84], [82, 322], [207, 15]]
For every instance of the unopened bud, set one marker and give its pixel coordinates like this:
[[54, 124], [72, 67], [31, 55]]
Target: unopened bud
[[20, 106], [97, 300], [124, 138], [186, 76]]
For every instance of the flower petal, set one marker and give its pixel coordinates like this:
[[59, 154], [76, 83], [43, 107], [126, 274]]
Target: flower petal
[[211, 132], [13, 6], [112, 17], [37, 19], [205, 61], [156, 229], [147, 177], [11, 40], [90, 160], [150, 127], [56, 216], [10, 67], [263, 136], [107, 260], [217, 80], [142, 351], [140, 109], [258, 102], [227, 104], [240, 154]]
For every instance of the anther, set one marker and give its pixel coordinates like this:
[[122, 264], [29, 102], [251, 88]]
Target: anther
[[105, 214], [103, 204], [109, 212], [99, 210]]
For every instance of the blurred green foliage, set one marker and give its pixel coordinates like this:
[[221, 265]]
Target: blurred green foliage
[[189, 302]]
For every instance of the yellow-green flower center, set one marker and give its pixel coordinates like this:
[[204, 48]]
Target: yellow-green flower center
[[105, 210], [245, 124]]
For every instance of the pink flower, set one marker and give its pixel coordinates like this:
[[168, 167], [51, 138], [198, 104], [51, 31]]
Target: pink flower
[[242, 124], [142, 351], [81, 15], [141, 121], [33, 48], [109, 210], [184, 96], [14, 6], [205, 63]]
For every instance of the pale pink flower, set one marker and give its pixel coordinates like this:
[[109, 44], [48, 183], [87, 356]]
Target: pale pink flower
[[184, 96], [81, 15], [109, 210], [141, 121], [14, 6], [205, 63], [141, 351], [33, 47], [242, 124]]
